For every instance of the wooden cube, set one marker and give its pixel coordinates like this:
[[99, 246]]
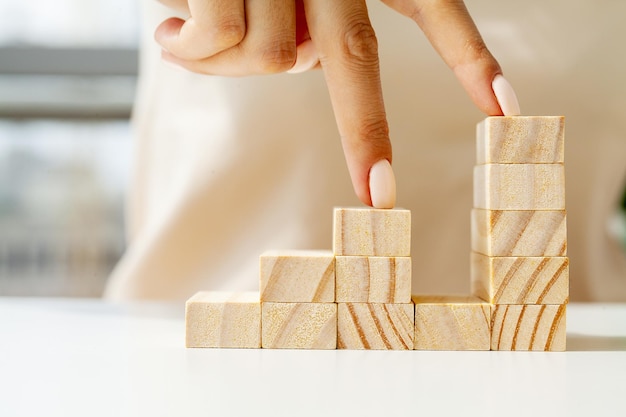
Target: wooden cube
[[519, 233], [451, 323], [372, 232], [520, 140], [520, 280], [299, 325], [373, 279], [519, 186], [375, 326], [224, 320], [528, 327], [297, 276]]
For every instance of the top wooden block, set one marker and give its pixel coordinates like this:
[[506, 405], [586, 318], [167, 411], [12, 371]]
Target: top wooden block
[[372, 232], [291, 276], [520, 140]]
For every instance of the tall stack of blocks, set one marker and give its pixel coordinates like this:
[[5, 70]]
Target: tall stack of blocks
[[519, 235], [358, 296]]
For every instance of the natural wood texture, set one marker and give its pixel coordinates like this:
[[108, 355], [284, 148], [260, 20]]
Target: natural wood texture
[[519, 233], [520, 280], [519, 186], [375, 326], [299, 325], [372, 232], [223, 319], [528, 327], [520, 140], [297, 276], [451, 323], [373, 279]]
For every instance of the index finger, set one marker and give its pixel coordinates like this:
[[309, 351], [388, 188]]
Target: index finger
[[450, 29], [348, 53]]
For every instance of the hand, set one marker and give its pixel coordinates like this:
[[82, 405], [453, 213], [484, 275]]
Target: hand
[[245, 37]]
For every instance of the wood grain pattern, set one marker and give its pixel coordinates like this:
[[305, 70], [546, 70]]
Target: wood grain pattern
[[452, 323], [375, 326], [373, 279], [528, 327], [519, 186], [520, 280], [371, 232], [520, 140], [223, 319], [299, 325], [519, 233], [297, 276]]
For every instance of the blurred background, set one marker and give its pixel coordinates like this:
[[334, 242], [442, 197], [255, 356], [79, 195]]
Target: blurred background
[[67, 80], [67, 83]]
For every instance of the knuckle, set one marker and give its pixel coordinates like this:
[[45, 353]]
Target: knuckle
[[416, 14], [277, 57], [374, 132], [475, 49], [225, 34], [475, 52], [230, 32], [359, 43]]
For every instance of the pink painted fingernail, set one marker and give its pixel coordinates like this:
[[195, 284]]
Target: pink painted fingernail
[[306, 58], [382, 185], [506, 96]]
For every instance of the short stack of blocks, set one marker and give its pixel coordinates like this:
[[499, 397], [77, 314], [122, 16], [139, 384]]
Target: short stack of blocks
[[298, 300], [358, 296], [373, 279]]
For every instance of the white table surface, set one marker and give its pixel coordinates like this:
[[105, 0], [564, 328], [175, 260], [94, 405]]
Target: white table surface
[[62, 357]]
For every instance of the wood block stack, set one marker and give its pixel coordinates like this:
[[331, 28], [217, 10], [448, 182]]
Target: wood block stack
[[519, 241], [298, 300], [373, 279], [358, 296]]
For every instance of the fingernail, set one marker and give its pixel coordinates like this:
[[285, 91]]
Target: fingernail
[[306, 58], [506, 96], [382, 185]]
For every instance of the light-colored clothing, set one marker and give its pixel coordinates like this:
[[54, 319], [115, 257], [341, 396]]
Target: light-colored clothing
[[228, 168]]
